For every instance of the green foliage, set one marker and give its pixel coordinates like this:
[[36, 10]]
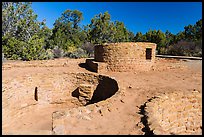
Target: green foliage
[[99, 29], [16, 49], [130, 36], [102, 30], [19, 21], [193, 32], [121, 34], [79, 53], [25, 38], [88, 48], [35, 48], [66, 31], [187, 42], [139, 37], [12, 48], [57, 52], [48, 54]]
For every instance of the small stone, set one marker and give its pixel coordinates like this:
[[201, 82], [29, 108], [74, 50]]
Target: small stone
[[86, 118], [100, 112], [122, 101]]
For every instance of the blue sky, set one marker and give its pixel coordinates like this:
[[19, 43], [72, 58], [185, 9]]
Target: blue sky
[[137, 16]]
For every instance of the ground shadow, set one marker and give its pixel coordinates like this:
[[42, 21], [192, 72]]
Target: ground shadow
[[75, 93], [106, 88], [85, 66], [143, 120]]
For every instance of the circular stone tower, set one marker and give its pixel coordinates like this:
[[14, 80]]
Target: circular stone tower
[[124, 56]]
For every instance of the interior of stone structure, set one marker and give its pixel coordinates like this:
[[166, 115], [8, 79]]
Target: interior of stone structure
[[45, 96]]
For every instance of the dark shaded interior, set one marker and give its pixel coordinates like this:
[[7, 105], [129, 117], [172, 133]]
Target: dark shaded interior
[[106, 88], [148, 53]]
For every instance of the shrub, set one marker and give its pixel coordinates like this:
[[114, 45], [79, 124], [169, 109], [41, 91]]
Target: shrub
[[33, 50], [17, 49], [79, 53], [185, 48], [57, 52], [12, 48], [88, 48], [49, 54]]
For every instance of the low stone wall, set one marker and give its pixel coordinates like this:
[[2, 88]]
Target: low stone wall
[[98, 67], [125, 56], [100, 87], [54, 90], [175, 113], [105, 88]]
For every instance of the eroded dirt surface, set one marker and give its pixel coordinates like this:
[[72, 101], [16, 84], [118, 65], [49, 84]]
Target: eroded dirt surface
[[123, 115]]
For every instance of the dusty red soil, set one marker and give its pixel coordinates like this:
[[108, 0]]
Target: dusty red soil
[[123, 116]]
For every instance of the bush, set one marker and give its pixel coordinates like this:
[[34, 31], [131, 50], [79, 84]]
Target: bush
[[12, 48], [17, 49], [57, 52], [88, 48], [46, 54], [79, 53], [163, 50], [33, 50], [185, 48], [49, 54]]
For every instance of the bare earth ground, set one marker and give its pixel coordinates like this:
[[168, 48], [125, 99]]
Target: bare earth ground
[[122, 118]]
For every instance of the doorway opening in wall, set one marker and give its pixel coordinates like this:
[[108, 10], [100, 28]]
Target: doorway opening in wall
[[148, 53]]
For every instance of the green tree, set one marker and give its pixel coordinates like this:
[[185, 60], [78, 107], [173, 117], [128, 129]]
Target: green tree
[[121, 34], [21, 31], [157, 37], [193, 32], [19, 21], [138, 37], [170, 38], [103, 30], [180, 36], [131, 36], [66, 31], [99, 29]]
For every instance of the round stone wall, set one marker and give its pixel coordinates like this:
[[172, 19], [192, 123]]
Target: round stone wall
[[175, 113], [126, 56]]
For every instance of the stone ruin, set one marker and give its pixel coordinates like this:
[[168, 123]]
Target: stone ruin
[[92, 88], [73, 90], [121, 57], [169, 113], [175, 113]]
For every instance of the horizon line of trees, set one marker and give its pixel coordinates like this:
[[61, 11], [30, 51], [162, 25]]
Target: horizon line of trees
[[25, 38]]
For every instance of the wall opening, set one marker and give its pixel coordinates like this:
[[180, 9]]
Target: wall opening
[[148, 53]]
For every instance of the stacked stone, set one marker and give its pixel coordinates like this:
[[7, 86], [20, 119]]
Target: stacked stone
[[85, 93], [98, 67], [175, 113], [101, 86], [125, 56]]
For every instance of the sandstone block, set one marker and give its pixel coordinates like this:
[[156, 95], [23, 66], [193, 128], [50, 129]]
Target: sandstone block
[[85, 92]]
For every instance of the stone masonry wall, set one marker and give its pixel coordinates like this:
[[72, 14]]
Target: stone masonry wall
[[99, 67], [125, 56], [100, 87], [176, 113]]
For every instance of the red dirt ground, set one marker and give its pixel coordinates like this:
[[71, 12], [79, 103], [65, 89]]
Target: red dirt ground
[[123, 118]]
